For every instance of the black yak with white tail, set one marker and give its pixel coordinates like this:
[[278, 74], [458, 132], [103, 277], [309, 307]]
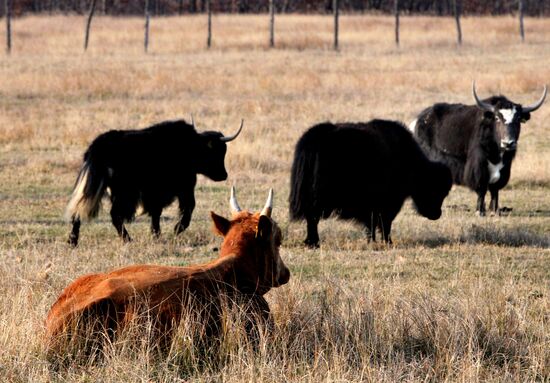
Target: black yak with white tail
[[146, 168], [477, 142], [363, 171]]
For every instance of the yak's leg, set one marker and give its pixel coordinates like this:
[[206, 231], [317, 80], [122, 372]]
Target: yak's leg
[[118, 223], [73, 237], [186, 201], [385, 229], [312, 239], [370, 221], [155, 223], [480, 207], [493, 205], [187, 205]]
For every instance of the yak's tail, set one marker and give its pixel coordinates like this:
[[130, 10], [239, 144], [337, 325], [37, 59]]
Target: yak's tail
[[304, 178], [89, 188]]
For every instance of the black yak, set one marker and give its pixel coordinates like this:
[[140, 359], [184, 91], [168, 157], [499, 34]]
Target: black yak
[[363, 171], [146, 168], [466, 137]]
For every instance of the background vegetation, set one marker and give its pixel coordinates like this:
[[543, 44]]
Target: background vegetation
[[459, 299], [168, 7]]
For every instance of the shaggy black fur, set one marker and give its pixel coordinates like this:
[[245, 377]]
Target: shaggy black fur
[[465, 138], [148, 168], [363, 171]]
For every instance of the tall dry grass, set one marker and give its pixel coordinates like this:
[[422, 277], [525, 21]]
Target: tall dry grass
[[458, 299]]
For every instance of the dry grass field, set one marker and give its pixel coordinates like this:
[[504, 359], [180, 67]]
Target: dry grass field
[[459, 299]]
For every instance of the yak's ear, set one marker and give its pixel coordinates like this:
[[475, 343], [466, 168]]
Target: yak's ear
[[264, 229], [525, 116], [221, 224]]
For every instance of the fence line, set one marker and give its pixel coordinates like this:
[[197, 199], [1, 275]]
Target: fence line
[[457, 19], [8, 6], [271, 24], [396, 11], [521, 31], [147, 17], [335, 9], [88, 24]]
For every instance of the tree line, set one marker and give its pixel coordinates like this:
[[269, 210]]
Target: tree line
[[174, 7]]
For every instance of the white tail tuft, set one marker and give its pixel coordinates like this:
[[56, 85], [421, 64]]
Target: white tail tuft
[[81, 206]]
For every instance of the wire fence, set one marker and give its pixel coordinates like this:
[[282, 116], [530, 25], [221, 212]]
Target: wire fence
[[456, 8]]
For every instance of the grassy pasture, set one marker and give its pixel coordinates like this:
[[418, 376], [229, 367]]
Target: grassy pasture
[[459, 299]]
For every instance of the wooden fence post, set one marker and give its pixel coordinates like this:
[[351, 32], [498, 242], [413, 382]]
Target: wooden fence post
[[147, 16], [209, 37], [521, 30], [88, 24], [335, 10], [271, 23], [457, 19], [396, 11], [7, 5]]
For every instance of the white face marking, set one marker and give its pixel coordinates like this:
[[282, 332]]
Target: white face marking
[[494, 171], [508, 115], [412, 126]]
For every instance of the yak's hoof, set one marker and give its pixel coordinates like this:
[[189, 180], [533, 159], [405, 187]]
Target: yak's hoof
[[480, 213], [312, 244], [73, 241], [178, 229], [505, 210]]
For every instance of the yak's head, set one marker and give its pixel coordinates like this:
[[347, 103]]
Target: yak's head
[[212, 154], [254, 239], [508, 116], [486, 138], [432, 186]]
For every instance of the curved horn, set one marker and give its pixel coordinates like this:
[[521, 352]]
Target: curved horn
[[481, 104], [536, 105], [268, 205], [235, 208], [231, 138], [192, 121]]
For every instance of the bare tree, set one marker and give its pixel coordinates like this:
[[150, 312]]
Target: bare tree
[[88, 24], [7, 5], [521, 30], [335, 9], [271, 23], [396, 11], [147, 17], [457, 19]]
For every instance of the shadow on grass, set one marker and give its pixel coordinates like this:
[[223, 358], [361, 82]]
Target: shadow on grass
[[488, 235], [503, 237]]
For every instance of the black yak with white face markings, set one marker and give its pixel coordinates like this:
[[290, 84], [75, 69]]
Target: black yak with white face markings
[[146, 168], [363, 171], [477, 142]]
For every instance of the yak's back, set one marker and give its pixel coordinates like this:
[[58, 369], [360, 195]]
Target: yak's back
[[157, 142], [446, 128], [334, 163]]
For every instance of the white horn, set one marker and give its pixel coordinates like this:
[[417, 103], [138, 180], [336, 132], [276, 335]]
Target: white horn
[[231, 138], [536, 105], [192, 121], [268, 205], [482, 104], [235, 208]]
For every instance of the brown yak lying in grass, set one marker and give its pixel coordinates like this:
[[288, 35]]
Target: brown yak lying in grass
[[95, 307]]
